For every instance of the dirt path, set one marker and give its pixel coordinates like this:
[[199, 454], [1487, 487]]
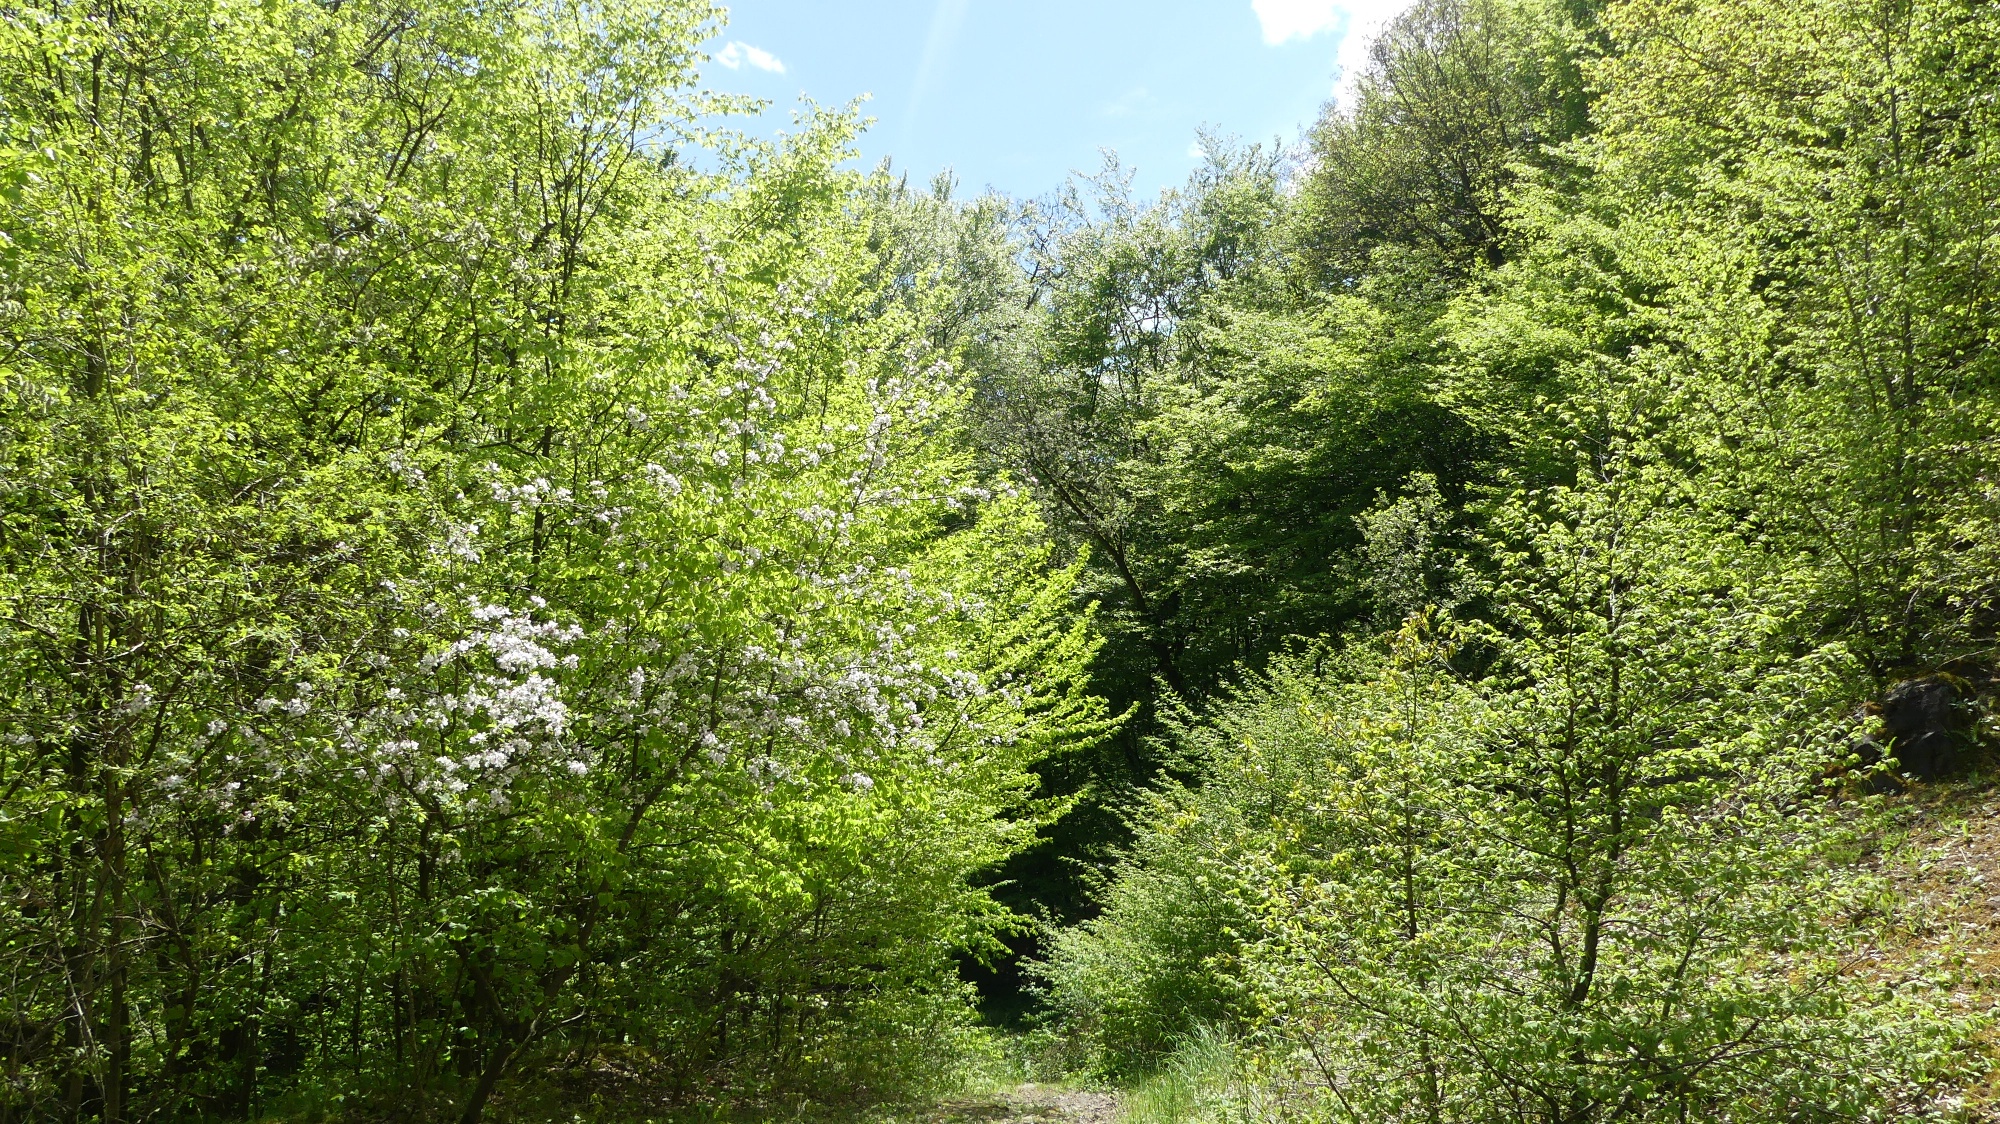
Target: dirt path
[[1029, 1104]]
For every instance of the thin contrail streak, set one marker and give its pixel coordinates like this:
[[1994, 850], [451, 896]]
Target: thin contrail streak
[[945, 24]]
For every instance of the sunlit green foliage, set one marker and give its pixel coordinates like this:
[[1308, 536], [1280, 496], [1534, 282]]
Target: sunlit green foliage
[[481, 596], [517, 603], [1705, 289]]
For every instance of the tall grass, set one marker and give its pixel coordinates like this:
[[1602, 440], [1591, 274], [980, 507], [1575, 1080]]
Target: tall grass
[[1203, 1082]]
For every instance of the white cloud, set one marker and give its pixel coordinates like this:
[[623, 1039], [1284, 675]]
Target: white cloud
[[1358, 21], [1295, 19], [736, 54], [1366, 18]]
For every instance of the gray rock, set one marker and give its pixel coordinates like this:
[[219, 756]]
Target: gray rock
[[1924, 726]]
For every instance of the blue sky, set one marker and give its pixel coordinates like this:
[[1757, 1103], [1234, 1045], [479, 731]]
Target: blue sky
[[1014, 94]]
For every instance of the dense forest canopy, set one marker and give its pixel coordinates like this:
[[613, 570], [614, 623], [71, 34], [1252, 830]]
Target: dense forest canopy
[[520, 602]]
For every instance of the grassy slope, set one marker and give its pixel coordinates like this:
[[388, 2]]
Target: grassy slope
[[1940, 851]]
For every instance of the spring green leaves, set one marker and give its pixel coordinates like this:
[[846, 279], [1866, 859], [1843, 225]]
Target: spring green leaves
[[482, 596]]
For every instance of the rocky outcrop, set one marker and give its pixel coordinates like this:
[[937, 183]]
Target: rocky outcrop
[[1930, 725]]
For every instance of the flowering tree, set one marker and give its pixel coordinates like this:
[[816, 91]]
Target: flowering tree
[[477, 588]]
